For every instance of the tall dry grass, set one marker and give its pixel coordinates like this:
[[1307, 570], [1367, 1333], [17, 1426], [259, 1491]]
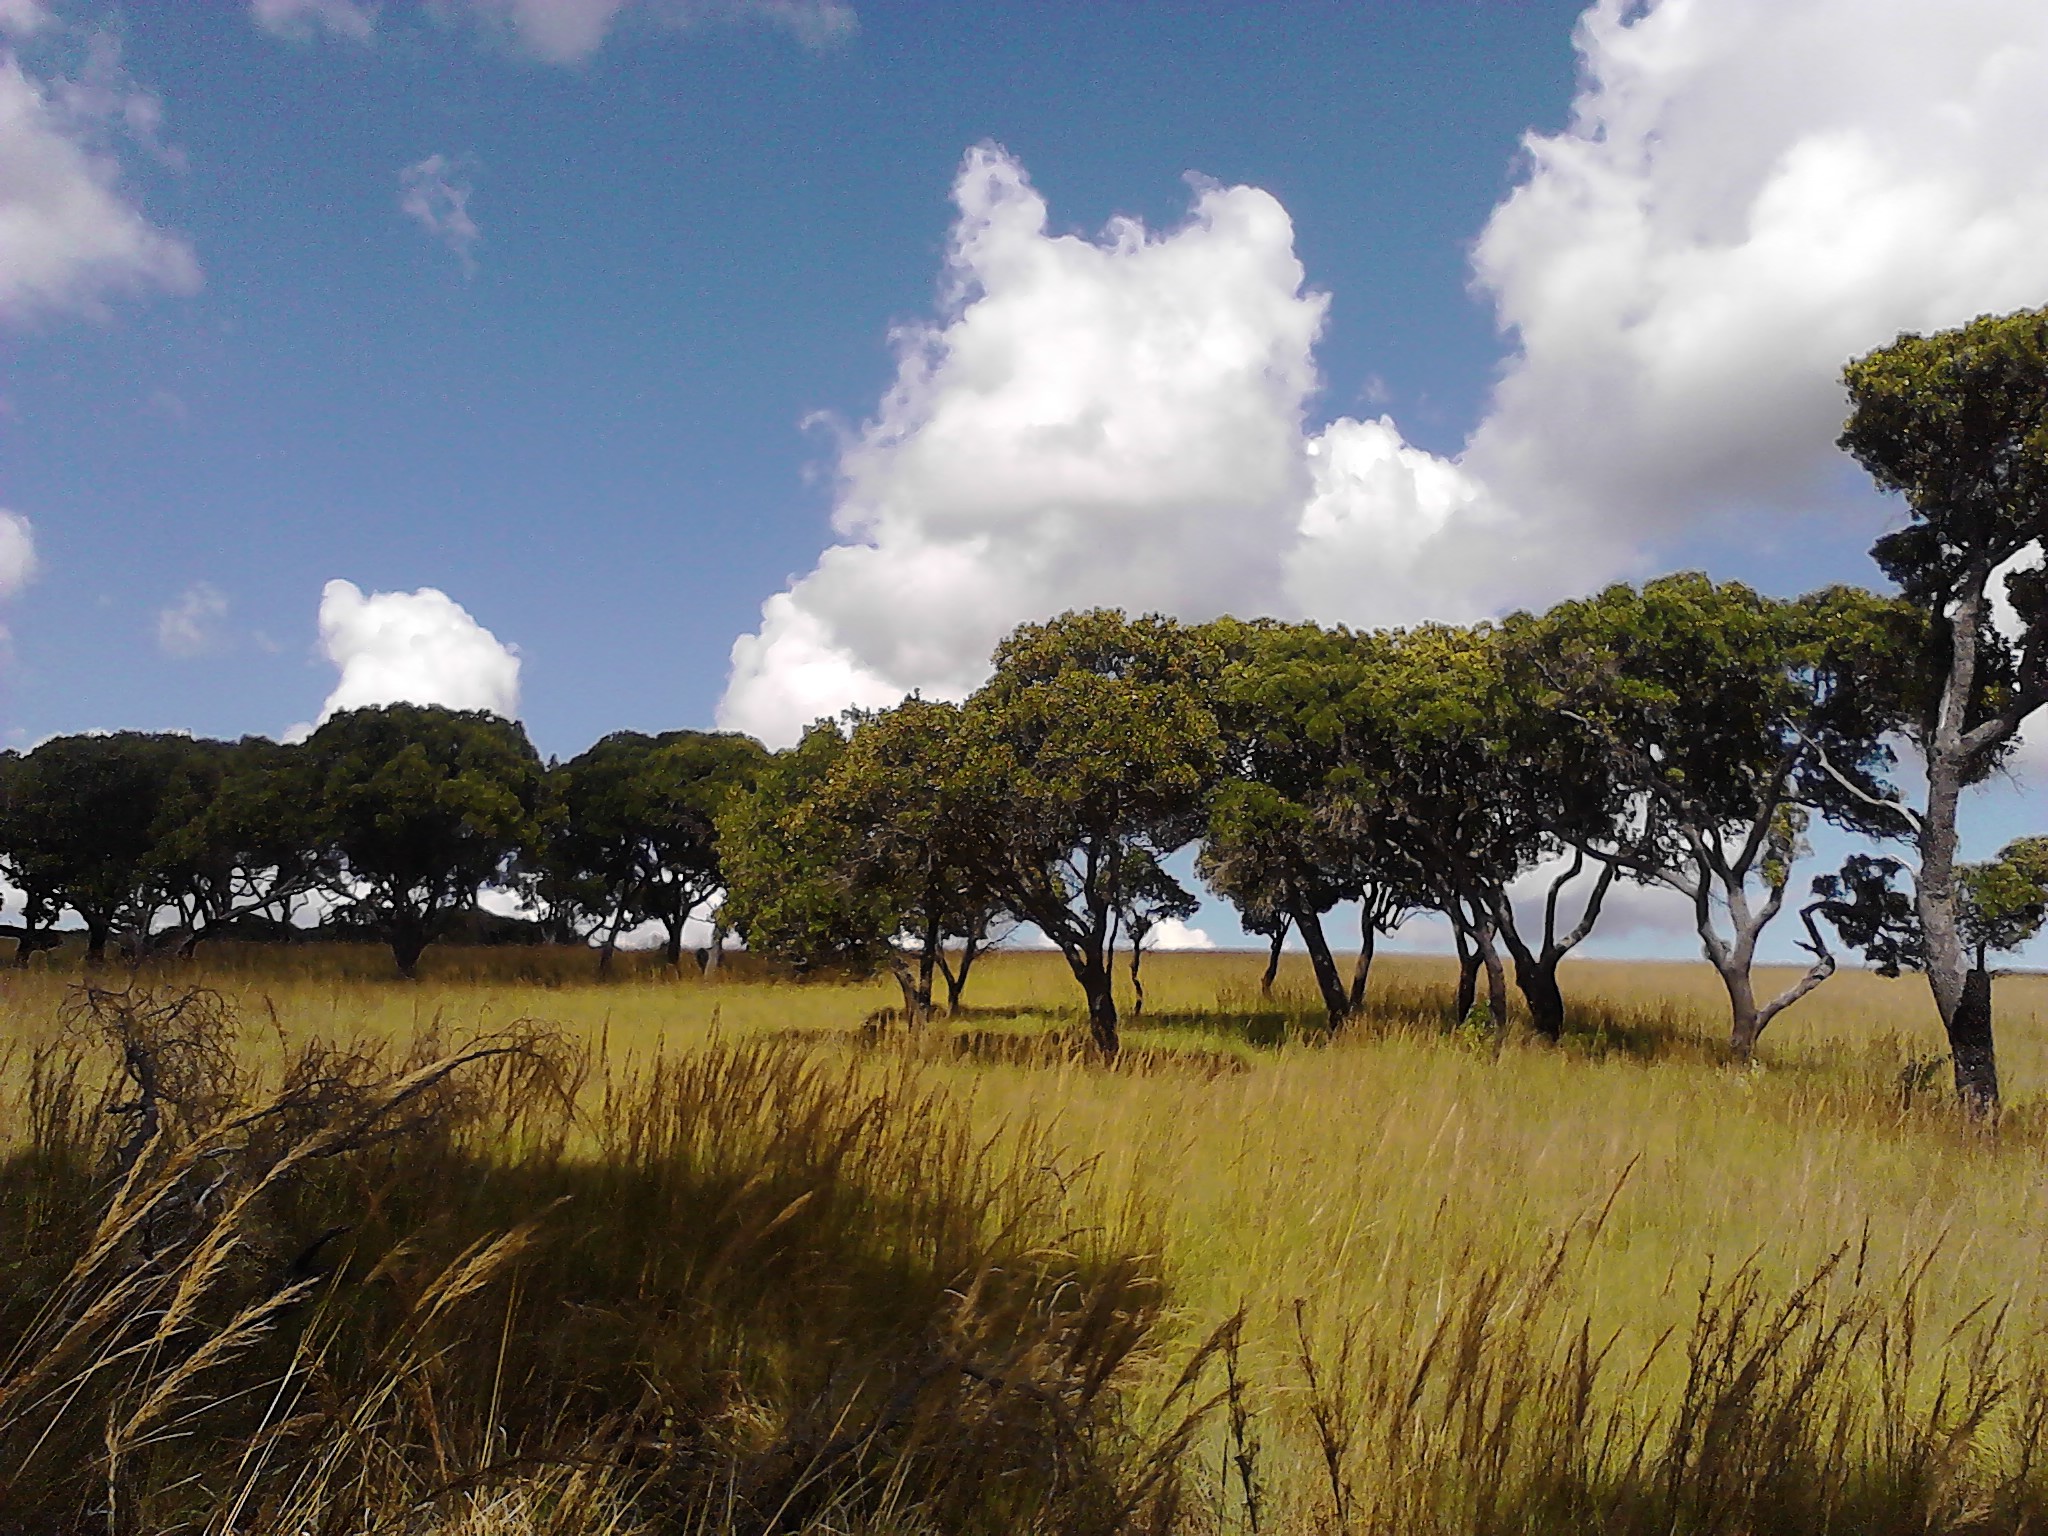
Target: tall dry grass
[[1428, 1281]]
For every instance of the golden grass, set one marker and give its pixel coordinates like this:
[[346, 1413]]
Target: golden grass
[[1355, 1199]]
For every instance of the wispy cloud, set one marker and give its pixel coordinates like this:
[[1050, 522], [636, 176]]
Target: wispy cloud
[[434, 193], [191, 626], [300, 20]]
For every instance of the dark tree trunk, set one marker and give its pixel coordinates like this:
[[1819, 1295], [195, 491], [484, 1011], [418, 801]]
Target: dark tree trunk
[[672, 952], [956, 975], [408, 943], [1273, 959], [1137, 981], [1537, 982], [1468, 971], [97, 931], [1095, 973], [1368, 939], [1970, 1046], [1329, 981]]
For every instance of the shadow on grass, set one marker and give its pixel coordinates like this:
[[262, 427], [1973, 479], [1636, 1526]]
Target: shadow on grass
[[749, 1291]]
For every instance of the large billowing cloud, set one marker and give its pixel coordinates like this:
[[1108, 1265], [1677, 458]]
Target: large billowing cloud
[[413, 648], [71, 233], [1748, 193], [1087, 421]]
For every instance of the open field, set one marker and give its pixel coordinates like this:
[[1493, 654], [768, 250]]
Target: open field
[[1483, 1286]]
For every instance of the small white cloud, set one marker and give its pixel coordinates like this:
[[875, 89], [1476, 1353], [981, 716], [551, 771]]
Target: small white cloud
[[17, 553], [191, 626], [70, 233], [434, 193], [413, 648], [1172, 933], [301, 20]]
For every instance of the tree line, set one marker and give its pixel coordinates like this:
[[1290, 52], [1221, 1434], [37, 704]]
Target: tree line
[[1681, 733]]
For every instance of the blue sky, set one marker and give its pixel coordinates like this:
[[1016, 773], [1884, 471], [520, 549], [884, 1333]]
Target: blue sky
[[689, 244], [612, 320]]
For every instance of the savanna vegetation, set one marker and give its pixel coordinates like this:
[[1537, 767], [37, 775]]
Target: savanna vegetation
[[560, 1237]]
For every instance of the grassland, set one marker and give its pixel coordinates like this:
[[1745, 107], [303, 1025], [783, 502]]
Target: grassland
[[1425, 1281]]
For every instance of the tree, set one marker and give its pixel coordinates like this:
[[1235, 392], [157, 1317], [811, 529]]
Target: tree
[[416, 809], [1095, 746], [1711, 706], [797, 885], [1471, 790], [234, 839], [1957, 424], [635, 835], [83, 816], [1295, 828]]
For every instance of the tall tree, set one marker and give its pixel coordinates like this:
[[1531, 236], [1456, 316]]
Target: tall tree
[[83, 817], [807, 885], [1472, 791], [636, 830], [1957, 424], [1096, 744], [1296, 827], [1711, 706], [417, 809]]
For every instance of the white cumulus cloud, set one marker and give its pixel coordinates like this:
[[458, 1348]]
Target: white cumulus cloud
[[1171, 933], [71, 232], [434, 193], [191, 626], [413, 648], [1749, 192], [302, 19], [1087, 421]]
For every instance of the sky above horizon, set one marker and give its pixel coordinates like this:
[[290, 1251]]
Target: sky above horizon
[[658, 363]]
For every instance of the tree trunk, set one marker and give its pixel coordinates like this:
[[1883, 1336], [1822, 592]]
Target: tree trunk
[[611, 941], [1137, 982], [1368, 939], [672, 952], [1744, 1025], [1971, 1046], [1468, 971], [1496, 976], [1962, 995], [1273, 959], [1537, 981], [1329, 980], [96, 934], [906, 982], [408, 943], [1101, 993], [956, 975]]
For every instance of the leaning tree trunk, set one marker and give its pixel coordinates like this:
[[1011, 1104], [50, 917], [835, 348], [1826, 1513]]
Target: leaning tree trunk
[[1368, 939], [956, 975], [1468, 971], [1329, 981], [1273, 959], [1137, 981]]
